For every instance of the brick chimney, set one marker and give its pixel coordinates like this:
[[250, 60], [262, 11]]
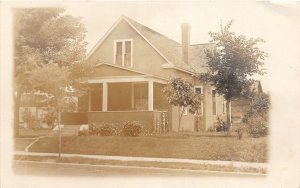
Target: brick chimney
[[185, 39]]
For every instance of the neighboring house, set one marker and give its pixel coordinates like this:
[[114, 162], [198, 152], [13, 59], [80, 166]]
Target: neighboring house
[[241, 105], [132, 66], [36, 105]]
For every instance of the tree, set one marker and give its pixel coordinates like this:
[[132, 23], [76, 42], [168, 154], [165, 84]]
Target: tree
[[257, 116], [179, 93], [43, 36], [232, 63], [196, 107], [61, 84]]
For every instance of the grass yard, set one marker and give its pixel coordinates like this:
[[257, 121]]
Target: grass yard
[[204, 148]]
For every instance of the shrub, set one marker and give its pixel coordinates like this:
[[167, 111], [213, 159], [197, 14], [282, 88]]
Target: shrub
[[107, 129], [50, 118], [84, 132], [257, 126], [103, 129], [131, 128], [93, 129], [220, 125], [256, 118]]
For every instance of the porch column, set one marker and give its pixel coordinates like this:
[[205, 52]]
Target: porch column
[[150, 95], [104, 97]]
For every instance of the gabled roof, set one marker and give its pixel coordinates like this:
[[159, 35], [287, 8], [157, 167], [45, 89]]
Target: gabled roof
[[169, 49]]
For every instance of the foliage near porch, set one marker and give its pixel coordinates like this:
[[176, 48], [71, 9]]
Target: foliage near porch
[[204, 148]]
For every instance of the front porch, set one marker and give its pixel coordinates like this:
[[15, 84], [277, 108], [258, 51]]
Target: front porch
[[116, 100]]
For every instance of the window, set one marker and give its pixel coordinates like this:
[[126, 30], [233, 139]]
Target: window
[[140, 96], [123, 52], [199, 90], [214, 104]]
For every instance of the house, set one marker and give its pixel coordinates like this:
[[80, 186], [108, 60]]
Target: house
[[33, 106], [241, 105], [132, 65]]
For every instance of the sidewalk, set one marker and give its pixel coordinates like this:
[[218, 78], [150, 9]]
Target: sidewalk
[[148, 159]]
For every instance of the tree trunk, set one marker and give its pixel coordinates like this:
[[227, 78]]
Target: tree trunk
[[179, 118], [59, 135], [16, 114], [228, 110]]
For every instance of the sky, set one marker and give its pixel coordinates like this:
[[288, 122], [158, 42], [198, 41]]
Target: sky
[[253, 19]]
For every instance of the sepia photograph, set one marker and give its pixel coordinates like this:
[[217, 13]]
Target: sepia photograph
[[177, 94]]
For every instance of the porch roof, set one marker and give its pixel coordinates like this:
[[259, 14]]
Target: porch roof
[[113, 74]]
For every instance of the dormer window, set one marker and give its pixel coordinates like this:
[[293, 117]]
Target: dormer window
[[123, 52]]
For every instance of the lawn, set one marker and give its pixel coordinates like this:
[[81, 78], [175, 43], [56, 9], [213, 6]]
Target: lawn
[[204, 148]]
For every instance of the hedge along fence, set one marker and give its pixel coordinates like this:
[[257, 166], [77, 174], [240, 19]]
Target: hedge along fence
[[74, 118]]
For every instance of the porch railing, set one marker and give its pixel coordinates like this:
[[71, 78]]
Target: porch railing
[[160, 121]]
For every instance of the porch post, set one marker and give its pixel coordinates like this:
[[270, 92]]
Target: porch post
[[104, 97], [150, 95]]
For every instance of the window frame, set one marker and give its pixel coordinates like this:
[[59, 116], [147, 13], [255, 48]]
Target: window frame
[[123, 51]]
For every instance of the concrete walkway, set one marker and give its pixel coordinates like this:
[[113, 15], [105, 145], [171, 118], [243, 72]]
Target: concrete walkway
[[151, 159]]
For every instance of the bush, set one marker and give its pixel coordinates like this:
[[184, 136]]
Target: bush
[[103, 129], [257, 126], [220, 125], [256, 119], [107, 129], [93, 129], [50, 118], [131, 128], [84, 132]]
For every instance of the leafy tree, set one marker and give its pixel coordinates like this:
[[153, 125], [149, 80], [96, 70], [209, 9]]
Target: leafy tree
[[61, 84], [179, 93], [232, 63], [257, 117], [259, 106], [44, 36]]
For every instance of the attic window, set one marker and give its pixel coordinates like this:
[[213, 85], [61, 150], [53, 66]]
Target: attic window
[[123, 52]]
